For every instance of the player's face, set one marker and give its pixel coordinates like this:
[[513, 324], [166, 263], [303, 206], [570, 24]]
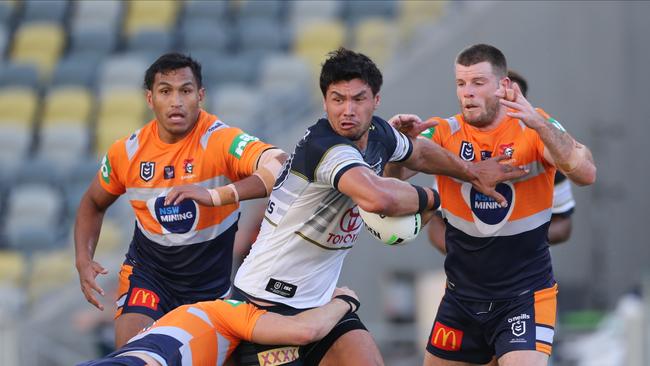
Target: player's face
[[475, 88], [174, 99], [349, 106]]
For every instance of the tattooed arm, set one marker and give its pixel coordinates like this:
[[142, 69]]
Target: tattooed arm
[[568, 155]]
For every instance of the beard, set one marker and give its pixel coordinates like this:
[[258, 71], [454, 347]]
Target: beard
[[485, 118]]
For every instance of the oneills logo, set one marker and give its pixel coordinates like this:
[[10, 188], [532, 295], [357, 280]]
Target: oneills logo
[[142, 297], [278, 356], [446, 338]]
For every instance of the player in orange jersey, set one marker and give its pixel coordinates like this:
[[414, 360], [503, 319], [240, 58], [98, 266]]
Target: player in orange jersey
[[206, 333], [559, 229], [501, 295], [184, 173]]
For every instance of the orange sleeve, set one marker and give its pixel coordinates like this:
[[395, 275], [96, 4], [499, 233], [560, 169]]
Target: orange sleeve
[[237, 318], [110, 176], [239, 150]]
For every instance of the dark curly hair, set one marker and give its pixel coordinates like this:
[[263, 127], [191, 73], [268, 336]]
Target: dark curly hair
[[345, 65]]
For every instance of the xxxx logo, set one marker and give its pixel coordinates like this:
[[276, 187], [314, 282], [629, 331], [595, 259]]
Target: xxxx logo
[[278, 356]]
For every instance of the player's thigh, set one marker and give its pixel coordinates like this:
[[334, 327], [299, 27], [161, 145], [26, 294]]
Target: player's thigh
[[355, 347], [431, 360], [128, 325], [528, 358]]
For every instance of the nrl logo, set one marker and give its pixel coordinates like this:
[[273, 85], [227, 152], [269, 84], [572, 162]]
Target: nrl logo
[[147, 170], [467, 151]]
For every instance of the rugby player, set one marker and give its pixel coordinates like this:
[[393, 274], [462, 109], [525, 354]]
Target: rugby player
[[500, 299], [312, 220], [184, 173], [560, 227], [206, 333]]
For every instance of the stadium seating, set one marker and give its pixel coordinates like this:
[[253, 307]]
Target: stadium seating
[[376, 38], [25, 75], [355, 11], [102, 15], [262, 35], [98, 42], [154, 14], [150, 41], [204, 11], [67, 104], [49, 11], [18, 105], [122, 72], [237, 105], [77, 69], [413, 14], [6, 11], [39, 43], [314, 40], [200, 35], [12, 267]]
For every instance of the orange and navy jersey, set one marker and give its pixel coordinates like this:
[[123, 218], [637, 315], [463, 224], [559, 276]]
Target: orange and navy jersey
[[205, 333], [493, 252], [189, 245]]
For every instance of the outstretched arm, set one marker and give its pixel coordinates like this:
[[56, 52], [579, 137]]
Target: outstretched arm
[[88, 224], [306, 327], [258, 185]]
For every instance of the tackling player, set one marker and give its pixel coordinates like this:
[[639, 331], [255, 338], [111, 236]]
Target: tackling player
[[184, 173], [206, 333]]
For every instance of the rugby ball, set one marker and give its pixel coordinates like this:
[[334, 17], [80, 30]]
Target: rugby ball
[[392, 230]]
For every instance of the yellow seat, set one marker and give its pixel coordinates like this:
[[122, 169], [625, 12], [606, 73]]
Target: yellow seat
[[50, 271], [150, 14], [315, 40], [17, 105], [415, 13], [12, 266], [39, 43], [375, 37], [68, 104], [110, 129]]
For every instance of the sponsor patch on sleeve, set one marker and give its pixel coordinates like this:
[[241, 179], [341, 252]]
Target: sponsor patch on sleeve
[[239, 144], [106, 169]]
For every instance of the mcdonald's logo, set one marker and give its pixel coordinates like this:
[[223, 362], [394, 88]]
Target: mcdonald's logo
[[446, 338], [143, 297]]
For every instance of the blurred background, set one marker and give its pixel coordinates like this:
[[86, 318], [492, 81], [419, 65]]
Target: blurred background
[[71, 83]]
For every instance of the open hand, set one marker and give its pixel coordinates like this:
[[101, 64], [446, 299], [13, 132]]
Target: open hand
[[519, 107], [87, 279], [192, 192], [488, 173], [410, 124]]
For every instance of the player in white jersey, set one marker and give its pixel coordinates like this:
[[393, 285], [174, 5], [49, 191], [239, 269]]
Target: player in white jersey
[[312, 218]]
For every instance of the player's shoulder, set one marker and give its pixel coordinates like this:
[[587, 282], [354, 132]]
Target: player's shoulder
[[320, 137], [129, 145], [445, 127]]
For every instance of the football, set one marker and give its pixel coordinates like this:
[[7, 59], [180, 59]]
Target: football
[[392, 230]]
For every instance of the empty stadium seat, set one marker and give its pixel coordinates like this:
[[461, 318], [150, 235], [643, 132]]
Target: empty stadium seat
[[33, 208], [201, 10], [303, 12], [256, 9], [236, 105], [6, 11], [64, 142], [39, 10], [152, 41], [12, 74], [355, 11], [18, 105], [12, 266], [314, 40], [39, 43], [376, 38], [204, 35], [78, 69], [99, 42], [262, 35], [122, 72], [98, 15], [4, 38], [231, 68], [49, 271], [412, 14], [67, 104], [15, 141], [154, 14]]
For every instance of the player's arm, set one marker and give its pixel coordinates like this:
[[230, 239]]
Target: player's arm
[[560, 149], [307, 327], [436, 232], [559, 230], [88, 224], [258, 185], [387, 196]]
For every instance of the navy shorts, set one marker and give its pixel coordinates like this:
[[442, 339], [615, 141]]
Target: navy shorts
[[252, 354], [116, 361], [473, 331], [144, 293]]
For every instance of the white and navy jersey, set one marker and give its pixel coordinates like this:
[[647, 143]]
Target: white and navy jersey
[[309, 225], [563, 202]]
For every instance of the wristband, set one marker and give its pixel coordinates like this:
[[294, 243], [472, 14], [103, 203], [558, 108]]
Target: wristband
[[354, 303], [423, 198], [436, 199], [224, 195]]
